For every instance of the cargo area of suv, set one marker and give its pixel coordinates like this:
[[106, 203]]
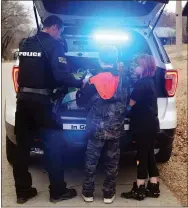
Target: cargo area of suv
[[88, 26]]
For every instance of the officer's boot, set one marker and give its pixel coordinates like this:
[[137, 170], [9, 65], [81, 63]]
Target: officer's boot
[[24, 195], [58, 194], [152, 190], [138, 193]]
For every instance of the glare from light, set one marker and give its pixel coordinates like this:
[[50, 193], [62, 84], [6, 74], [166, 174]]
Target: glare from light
[[111, 36]]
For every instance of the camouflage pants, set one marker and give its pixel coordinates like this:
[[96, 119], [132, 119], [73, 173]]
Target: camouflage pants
[[111, 152]]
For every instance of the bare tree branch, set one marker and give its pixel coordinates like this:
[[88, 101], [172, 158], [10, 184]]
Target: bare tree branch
[[15, 19], [4, 35]]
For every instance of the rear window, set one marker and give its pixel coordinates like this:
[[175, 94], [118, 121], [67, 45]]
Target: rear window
[[135, 45], [100, 8]]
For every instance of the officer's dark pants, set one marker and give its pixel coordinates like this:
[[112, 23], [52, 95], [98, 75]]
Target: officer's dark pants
[[111, 152], [146, 163], [35, 115]]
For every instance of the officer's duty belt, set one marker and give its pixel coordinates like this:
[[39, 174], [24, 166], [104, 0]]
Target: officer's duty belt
[[36, 91]]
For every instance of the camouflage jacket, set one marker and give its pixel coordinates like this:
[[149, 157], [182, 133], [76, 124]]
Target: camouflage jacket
[[106, 117]]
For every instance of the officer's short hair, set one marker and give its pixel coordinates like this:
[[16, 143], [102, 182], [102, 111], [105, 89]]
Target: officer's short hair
[[108, 54], [53, 20]]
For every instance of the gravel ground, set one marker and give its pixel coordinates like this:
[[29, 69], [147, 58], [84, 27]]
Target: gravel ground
[[174, 173]]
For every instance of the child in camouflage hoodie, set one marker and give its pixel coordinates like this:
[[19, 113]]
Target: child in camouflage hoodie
[[105, 123]]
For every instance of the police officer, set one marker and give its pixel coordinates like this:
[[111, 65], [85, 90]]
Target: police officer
[[43, 68]]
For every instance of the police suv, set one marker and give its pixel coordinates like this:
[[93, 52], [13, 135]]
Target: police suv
[[129, 25]]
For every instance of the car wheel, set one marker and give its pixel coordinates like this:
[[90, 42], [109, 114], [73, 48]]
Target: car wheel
[[10, 150], [164, 155]]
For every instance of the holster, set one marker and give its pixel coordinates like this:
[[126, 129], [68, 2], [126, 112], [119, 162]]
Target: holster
[[58, 94], [57, 97]]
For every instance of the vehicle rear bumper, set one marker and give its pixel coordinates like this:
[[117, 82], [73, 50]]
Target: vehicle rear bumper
[[164, 140], [78, 139]]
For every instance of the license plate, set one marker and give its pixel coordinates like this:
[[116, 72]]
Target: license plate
[[75, 127], [78, 127]]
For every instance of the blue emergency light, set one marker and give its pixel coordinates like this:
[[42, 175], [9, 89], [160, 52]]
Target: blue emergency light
[[110, 36]]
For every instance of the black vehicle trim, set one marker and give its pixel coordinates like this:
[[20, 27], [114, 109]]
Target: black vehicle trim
[[164, 57], [158, 49], [159, 80]]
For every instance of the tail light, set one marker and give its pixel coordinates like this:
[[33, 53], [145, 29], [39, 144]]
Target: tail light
[[171, 82], [15, 77]]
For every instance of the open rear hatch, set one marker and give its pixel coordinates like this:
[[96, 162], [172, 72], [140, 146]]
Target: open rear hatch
[[85, 15], [117, 13]]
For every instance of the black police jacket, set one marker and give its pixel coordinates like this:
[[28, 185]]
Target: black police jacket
[[36, 70]]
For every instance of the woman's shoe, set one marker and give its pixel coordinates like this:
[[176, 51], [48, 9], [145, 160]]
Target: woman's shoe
[[138, 193], [152, 190]]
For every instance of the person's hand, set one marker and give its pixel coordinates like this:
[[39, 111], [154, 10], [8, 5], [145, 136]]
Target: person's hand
[[86, 79], [120, 66]]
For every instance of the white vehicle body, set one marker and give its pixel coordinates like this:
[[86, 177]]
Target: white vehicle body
[[166, 105]]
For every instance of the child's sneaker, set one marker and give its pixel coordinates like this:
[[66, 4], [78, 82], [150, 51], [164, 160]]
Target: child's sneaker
[[152, 190], [109, 197], [87, 197], [138, 193]]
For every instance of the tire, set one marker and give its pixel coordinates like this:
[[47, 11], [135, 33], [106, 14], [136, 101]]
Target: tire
[[164, 155], [10, 150]]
